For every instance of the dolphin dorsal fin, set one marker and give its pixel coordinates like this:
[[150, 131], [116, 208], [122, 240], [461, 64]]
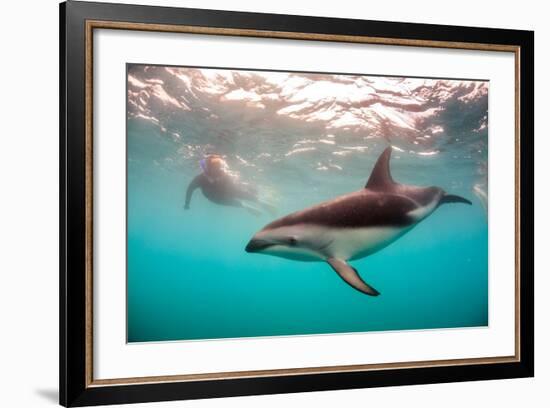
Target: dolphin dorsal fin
[[380, 177]]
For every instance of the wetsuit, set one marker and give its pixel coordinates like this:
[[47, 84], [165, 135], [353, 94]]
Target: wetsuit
[[222, 190]]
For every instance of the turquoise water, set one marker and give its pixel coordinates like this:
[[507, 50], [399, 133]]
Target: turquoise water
[[188, 274]]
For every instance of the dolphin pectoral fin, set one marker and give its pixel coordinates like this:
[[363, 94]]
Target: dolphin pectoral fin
[[349, 274]]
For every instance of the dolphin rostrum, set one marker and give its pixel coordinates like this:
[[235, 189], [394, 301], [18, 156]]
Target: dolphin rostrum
[[354, 225]]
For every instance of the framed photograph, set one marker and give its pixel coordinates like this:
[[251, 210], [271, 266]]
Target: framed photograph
[[256, 203]]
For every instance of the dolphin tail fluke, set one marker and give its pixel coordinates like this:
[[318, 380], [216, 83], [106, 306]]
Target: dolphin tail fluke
[[349, 274], [451, 198]]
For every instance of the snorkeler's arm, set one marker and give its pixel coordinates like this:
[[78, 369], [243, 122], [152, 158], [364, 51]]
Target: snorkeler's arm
[[191, 188]]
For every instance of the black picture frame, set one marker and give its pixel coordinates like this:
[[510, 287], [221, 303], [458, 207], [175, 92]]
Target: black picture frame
[[76, 385]]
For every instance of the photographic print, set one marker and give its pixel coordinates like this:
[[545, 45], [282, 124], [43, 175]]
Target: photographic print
[[268, 203]]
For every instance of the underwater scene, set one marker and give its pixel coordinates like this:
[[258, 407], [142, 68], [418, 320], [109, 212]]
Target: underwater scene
[[264, 203]]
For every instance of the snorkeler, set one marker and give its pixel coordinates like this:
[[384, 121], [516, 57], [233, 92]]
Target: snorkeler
[[221, 187]]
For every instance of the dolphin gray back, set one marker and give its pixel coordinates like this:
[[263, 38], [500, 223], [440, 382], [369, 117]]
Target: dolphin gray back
[[382, 203], [361, 209]]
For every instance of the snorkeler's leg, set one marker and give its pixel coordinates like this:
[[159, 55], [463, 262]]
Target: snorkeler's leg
[[246, 193], [238, 203], [251, 209], [270, 208], [249, 193]]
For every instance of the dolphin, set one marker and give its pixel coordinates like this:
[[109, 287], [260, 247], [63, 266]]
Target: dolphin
[[354, 225]]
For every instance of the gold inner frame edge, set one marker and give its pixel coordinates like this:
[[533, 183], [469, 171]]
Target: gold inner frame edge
[[118, 25]]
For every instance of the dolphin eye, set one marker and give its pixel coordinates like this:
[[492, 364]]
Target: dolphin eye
[[292, 241]]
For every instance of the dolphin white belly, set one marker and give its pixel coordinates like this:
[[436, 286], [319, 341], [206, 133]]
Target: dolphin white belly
[[346, 244], [350, 244]]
